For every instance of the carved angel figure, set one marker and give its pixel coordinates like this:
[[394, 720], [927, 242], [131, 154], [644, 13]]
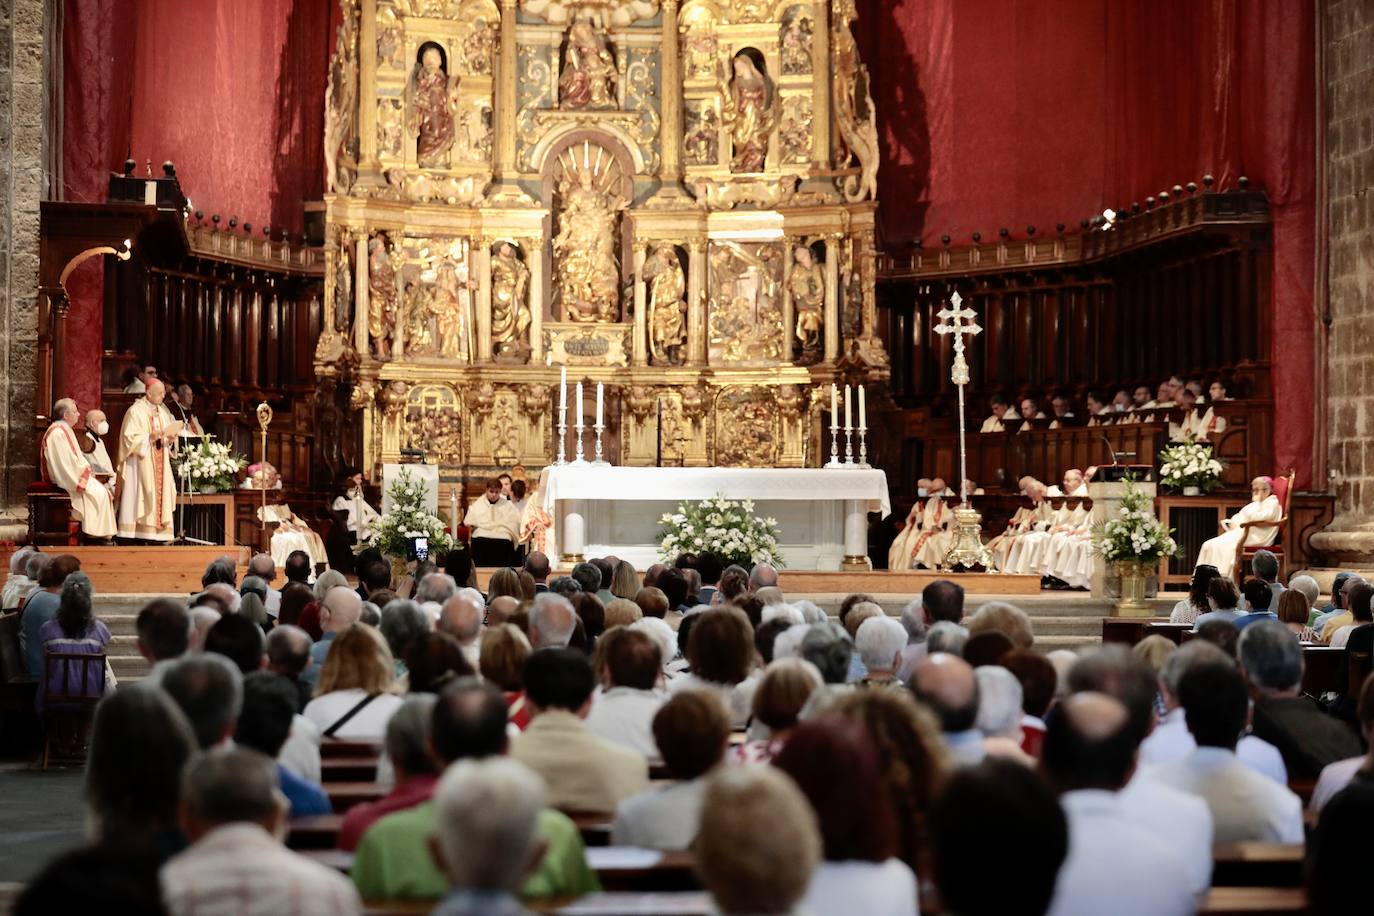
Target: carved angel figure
[[589, 75], [588, 271], [807, 287], [510, 312], [748, 112], [667, 308], [432, 108], [381, 307]]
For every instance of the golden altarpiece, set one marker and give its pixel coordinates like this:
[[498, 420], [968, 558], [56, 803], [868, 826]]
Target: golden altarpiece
[[673, 198]]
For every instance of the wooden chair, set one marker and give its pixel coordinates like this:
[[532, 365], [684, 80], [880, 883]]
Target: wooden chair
[[1283, 489], [73, 683], [50, 515]]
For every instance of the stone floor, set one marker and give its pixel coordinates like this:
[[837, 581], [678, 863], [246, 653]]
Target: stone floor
[[41, 817]]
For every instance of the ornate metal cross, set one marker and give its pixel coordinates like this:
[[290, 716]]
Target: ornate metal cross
[[957, 313]]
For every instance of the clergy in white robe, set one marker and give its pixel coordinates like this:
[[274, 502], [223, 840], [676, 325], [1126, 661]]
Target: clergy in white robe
[[931, 545], [1028, 553], [1220, 551], [64, 465], [1069, 557], [899, 554], [495, 527], [93, 445], [147, 494], [361, 516], [1021, 522], [993, 424]]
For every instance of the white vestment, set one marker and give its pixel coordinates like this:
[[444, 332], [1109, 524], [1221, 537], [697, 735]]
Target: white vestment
[[358, 510], [1220, 551], [147, 492], [1017, 525], [1070, 552], [66, 466], [930, 548], [497, 520], [1028, 551], [992, 424]]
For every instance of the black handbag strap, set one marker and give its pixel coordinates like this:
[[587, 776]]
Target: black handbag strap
[[343, 720]]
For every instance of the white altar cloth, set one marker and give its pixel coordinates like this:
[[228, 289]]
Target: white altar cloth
[[821, 512]]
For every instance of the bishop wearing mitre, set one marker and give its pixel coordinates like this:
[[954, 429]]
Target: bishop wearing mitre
[[147, 492], [64, 465]]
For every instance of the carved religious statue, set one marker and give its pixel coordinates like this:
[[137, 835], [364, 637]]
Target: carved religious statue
[[588, 270], [452, 305], [748, 112], [510, 311], [589, 74], [419, 316], [667, 308], [381, 308], [806, 284], [433, 103], [796, 44]]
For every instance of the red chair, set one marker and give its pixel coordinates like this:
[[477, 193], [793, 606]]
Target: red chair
[[1283, 489]]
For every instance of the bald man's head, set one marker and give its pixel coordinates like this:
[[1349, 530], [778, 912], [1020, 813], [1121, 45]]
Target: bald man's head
[[341, 608], [946, 684], [1089, 744], [155, 392], [501, 609], [461, 618]]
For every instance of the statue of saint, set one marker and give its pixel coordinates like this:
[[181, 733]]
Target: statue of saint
[[807, 286], [749, 114], [510, 312], [452, 304], [432, 108], [589, 75], [381, 303], [667, 308], [796, 45], [419, 302], [588, 271]]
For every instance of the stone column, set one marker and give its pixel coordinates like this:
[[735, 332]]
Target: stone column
[[696, 303], [505, 94], [362, 295], [640, 348], [483, 354], [535, 248], [832, 311]]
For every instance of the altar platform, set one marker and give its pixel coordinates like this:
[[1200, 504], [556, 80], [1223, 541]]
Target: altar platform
[[172, 570]]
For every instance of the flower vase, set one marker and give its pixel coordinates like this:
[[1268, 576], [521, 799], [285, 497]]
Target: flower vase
[[1192, 491], [1134, 576], [208, 489]]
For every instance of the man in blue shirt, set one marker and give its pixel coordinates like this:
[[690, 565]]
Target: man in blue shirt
[[1258, 597], [269, 706]]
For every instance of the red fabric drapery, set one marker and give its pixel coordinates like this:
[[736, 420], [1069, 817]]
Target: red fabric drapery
[[1011, 113], [232, 91]]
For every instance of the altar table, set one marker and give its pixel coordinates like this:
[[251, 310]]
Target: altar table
[[822, 513]]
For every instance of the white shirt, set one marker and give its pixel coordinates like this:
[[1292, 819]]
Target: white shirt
[[625, 715], [1115, 866], [663, 818], [1342, 636], [1181, 820], [738, 698], [498, 520], [1245, 806], [368, 725], [240, 870], [871, 888], [301, 752], [1171, 741], [273, 601], [1334, 777]]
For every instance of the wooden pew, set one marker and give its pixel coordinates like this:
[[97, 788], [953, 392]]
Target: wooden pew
[[620, 903], [1257, 865], [348, 769], [344, 795], [1321, 669], [316, 831], [1127, 630], [1254, 901], [344, 747], [1170, 631]]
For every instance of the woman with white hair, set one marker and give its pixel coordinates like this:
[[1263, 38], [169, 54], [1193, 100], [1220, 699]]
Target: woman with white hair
[[1220, 551], [18, 585], [999, 713], [879, 642]]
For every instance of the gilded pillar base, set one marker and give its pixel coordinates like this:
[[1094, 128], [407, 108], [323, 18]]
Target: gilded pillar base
[[855, 564]]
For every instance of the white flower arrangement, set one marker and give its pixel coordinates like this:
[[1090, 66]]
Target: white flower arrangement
[[406, 519], [1190, 464], [727, 528], [209, 464], [1135, 534]]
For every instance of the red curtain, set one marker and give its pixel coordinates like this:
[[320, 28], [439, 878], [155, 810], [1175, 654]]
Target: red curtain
[[1012, 113], [232, 91]]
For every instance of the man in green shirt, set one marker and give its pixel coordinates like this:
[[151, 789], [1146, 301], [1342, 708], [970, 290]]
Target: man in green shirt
[[393, 860]]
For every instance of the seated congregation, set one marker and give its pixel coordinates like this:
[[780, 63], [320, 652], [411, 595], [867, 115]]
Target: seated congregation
[[422, 744]]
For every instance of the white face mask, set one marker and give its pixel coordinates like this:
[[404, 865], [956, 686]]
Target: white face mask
[[102, 428]]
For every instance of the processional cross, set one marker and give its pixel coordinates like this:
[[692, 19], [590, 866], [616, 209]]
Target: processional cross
[[967, 547]]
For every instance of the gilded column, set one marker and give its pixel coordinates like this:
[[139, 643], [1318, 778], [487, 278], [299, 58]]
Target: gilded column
[[505, 94], [640, 349], [820, 65], [832, 311], [788, 316], [696, 303], [361, 295], [367, 84], [672, 96], [484, 301], [535, 247]]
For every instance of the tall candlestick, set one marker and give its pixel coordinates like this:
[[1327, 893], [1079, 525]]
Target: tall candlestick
[[834, 407], [599, 391], [863, 414], [563, 388], [579, 405], [848, 407], [453, 512]]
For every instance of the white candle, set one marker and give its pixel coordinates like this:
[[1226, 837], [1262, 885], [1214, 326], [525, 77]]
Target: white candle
[[579, 405], [599, 388], [453, 512], [563, 389], [863, 414], [848, 407], [834, 407]]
